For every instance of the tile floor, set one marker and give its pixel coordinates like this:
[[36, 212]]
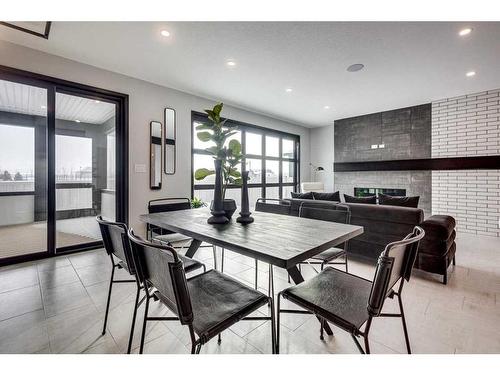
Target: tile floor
[[57, 306]]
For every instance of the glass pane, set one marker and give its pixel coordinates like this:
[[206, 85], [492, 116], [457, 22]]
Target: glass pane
[[85, 168], [205, 195], [254, 167], [288, 169], [287, 192], [273, 192], [23, 178], [253, 195], [236, 195], [197, 144], [272, 172], [288, 149], [253, 144], [203, 161], [272, 146]]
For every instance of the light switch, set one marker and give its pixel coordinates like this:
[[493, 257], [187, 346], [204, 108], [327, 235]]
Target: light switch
[[140, 168], [381, 146], [374, 146]]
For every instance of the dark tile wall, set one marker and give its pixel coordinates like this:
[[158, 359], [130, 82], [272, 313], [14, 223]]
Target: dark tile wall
[[406, 134]]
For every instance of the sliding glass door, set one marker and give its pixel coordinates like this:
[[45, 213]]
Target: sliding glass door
[[23, 169], [61, 145], [84, 168]]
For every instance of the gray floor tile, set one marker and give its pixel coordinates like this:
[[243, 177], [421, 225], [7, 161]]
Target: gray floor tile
[[57, 277], [18, 278], [20, 301], [65, 298], [26, 333]]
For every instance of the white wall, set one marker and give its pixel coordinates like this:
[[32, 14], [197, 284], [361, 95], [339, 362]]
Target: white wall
[[322, 154], [146, 103], [468, 125]]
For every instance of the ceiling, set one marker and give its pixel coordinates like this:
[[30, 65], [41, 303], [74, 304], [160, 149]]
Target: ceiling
[[405, 63], [19, 98]]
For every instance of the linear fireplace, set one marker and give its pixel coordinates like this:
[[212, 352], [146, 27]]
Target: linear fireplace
[[363, 192]]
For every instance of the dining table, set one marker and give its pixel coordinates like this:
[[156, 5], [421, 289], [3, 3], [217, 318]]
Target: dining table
[[282, 241]]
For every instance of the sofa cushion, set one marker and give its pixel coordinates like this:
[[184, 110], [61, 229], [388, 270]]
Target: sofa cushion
[[438, 227], [308, 195], [431, 246], [335, 197], [372, 199], [392, 214], [390, 200]]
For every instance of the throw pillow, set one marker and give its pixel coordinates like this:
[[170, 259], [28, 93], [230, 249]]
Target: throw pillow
[[327, 196], [308, 195], [372, 199], [390, 200]]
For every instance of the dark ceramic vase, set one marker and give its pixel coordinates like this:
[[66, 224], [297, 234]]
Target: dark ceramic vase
[[228, 206], [217, 205]]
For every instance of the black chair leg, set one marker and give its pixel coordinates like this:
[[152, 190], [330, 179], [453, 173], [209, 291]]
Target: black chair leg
[[321, 329], [278, 312], [273, 326], [346, 269], [405, 329], [445, 277], [222, 261], [198, 349], [219, 339], [134, 316], [357, 344], [454, 261], [367, 345], [256, 274], [143, 333], [215, 257], [365, 335], [109, 298]]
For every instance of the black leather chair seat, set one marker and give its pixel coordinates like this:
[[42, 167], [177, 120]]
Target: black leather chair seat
[[219, 301], [330, 254], [172, 238], [189, 263], [337, 296]]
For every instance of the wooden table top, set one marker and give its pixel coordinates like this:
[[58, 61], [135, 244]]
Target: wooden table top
[[281, 240]]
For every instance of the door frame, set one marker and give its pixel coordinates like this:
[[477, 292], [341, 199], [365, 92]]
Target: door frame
[[56, 85]]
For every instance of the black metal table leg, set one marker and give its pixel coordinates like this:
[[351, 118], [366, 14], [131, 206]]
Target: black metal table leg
[[297, 279], [193, 248]]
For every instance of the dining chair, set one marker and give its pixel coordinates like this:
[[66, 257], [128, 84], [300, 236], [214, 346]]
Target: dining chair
[[351, 302], [207, 303], [117, 246], [164, 236], [337, 213]]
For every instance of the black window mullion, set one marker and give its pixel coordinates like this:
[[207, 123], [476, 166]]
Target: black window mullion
[[264, 165]]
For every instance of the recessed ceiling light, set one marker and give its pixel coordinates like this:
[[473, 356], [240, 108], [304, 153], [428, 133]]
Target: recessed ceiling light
[[165, 33], [231, 63], [97, 101], [470, 74], [355, 67], [326, 107], [465, 32], [77, 120], [43, 107], [288, 89]]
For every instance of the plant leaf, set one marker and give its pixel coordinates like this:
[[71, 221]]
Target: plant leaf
[[204, 136], [212, 150], [201, 173], [204, 126], [235, 146], [218, 108]]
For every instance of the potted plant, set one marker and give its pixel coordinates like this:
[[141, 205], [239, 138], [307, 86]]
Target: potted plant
[[227, 156], [197, 203]]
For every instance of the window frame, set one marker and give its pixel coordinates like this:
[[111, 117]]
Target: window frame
[[263, 131]]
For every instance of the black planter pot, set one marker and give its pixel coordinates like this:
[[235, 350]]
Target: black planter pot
[[229, 207]]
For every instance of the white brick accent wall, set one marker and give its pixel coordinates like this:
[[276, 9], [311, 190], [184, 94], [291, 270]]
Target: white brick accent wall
[[472, 197], [468, 125]]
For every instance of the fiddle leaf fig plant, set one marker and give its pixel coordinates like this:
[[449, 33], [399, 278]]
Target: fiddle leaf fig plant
[[219, 131]]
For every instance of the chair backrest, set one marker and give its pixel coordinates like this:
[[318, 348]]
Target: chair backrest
[[273, 206], [115, 239], [168, 204], [337, 213], [159, 267], [394, 264]]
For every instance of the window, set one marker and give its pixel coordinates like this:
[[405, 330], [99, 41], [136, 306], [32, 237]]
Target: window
[[270, 156]]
